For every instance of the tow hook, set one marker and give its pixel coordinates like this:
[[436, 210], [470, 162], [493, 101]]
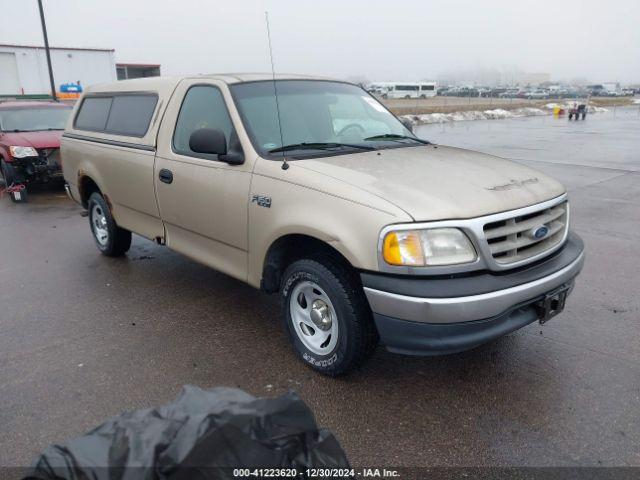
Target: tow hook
[[17, 192]]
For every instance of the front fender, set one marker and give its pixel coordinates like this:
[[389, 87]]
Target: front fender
[[349, 227]]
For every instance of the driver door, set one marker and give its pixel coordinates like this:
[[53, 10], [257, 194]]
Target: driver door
[[202, 201]]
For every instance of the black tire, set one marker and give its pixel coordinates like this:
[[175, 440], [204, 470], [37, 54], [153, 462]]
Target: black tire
[[357, 334], [7, 173], [118, 239]]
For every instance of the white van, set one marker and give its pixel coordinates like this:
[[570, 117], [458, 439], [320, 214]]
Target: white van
[[408, 89]]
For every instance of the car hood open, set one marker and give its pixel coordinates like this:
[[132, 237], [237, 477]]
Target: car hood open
[[438, 182]]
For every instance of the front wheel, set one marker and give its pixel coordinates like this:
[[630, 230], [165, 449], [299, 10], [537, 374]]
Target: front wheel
[[6, 171], [111, 240], [326, 316]]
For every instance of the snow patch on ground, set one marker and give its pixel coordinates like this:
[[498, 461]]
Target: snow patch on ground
[[496, 114]]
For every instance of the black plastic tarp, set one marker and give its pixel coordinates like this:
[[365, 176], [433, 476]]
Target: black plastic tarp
[[201, 434]]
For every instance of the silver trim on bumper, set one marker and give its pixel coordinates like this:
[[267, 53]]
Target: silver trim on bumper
[[465, 309]]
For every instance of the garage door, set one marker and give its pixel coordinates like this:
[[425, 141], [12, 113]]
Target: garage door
[[9, 83]]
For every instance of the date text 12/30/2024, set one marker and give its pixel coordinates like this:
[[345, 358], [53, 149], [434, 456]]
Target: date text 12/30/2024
[[314, 473]]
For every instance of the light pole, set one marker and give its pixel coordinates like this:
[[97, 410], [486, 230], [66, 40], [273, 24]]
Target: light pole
[[46, 49]]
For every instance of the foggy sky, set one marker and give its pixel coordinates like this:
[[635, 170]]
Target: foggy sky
[[377, 40]]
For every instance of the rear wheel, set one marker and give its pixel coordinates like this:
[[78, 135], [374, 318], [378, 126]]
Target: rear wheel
[[326, 315], [111, 240]]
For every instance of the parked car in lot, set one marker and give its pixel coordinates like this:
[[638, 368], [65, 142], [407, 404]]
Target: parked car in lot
[[367, 233], [509, 93], [538, 94], [30, 135]]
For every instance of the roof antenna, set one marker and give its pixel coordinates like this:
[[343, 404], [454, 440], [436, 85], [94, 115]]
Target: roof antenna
[[285, 165]]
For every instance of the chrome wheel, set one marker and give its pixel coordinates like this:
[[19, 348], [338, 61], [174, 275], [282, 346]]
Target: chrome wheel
[[99, 225], [314, 318]]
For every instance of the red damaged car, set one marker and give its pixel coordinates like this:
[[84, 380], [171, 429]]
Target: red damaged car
[[30, 135]]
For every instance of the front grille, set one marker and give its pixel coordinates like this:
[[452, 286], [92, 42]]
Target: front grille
[[512, 240], [49, 156]]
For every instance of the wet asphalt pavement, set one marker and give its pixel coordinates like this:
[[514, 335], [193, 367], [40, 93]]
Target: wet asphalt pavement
[[84, 337]]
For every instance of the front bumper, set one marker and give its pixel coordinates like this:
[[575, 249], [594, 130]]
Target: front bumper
[[446, 315], [42, 168]]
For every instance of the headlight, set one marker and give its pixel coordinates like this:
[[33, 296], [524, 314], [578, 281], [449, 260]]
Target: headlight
[[22, 152], [431, 247]]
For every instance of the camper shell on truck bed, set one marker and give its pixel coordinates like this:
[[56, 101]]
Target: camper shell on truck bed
[[320, 194]]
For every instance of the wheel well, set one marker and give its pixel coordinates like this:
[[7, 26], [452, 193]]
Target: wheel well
[[286, 250], [86, 187]]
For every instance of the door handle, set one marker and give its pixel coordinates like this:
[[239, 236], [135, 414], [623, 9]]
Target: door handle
[[165, 176]]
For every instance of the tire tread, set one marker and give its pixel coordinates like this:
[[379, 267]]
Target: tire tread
[[120, 239], [364, 337]]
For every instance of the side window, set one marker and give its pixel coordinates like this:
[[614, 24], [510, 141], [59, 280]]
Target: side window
[[203, 107], [128, 115], [131, 114], [93, 114]]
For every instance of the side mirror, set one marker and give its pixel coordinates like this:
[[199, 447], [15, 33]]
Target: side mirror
[[208, 140], [407, 123], [212, 141]]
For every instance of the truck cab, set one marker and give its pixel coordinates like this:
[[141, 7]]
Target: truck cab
[[311, 189]]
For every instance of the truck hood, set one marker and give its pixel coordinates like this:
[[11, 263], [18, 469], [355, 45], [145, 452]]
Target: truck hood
[[42, 139], [438, 182]]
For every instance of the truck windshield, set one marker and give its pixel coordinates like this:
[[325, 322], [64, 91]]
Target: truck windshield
[[316, 113], [33, 119]]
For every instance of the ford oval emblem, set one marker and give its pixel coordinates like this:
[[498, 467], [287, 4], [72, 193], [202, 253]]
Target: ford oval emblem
[[539, 232]]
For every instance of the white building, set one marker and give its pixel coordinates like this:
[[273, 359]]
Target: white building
[[23, 68], [611, 87]]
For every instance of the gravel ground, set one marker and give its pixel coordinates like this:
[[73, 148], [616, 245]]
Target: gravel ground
[[443, 104]]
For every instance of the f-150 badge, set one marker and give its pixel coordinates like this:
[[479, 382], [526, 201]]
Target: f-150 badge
[[261, 200]]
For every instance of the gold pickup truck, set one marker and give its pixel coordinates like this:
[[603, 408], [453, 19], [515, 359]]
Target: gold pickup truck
[[310, 188]]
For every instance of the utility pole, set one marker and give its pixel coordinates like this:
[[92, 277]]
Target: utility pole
[[46, 49]]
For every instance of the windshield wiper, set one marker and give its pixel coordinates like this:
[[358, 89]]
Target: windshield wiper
[[319, 146], [393, 137]]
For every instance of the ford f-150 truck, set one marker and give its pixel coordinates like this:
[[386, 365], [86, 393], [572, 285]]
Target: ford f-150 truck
[[310, 188]]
